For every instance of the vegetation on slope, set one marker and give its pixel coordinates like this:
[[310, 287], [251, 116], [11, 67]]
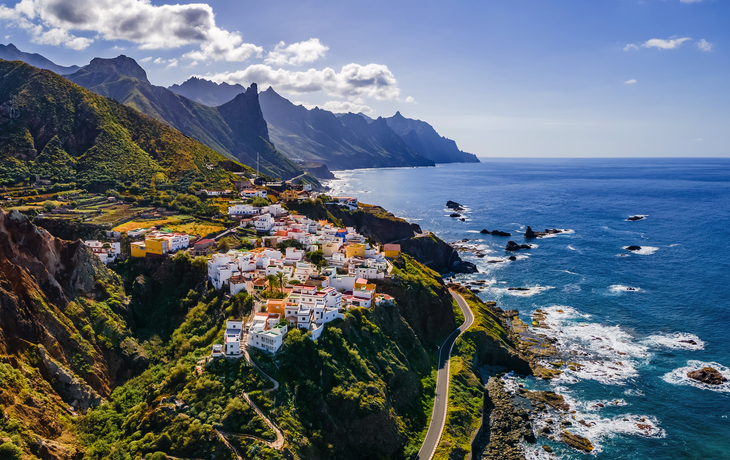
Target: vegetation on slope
[[49, 126]]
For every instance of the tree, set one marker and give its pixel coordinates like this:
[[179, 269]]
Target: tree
[[259, 202], [289, 243], [224, 245], [272, 281], [282, 280], [317, 258], [10, 451], [48, 206]]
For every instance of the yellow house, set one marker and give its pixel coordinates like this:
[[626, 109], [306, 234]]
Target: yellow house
[[276, 306], [355, 250], [289, 195], [158, 246], [361, 284], [138, 249], [391, 250]]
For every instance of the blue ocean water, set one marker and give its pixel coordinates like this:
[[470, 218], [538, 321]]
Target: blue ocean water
[[629, 342]]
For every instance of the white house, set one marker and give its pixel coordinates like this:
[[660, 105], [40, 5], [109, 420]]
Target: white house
[[241, 210], [346, 201], [339, 282], [237, 284], [253, 193], [264, 223], [264, 337], [232, 345], [105, 254]]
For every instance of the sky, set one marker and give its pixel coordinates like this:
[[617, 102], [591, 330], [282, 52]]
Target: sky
[[518, 78]]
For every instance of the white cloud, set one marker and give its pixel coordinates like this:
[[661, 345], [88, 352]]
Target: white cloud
[[352, 82], [137, 21], [172, 63], [147, 59], [410, 99], [631, 47], [118, 48], [704, 45], [7, 37], [296, 53], [344, 107], [158, 61], [669, 44], [630, 82]]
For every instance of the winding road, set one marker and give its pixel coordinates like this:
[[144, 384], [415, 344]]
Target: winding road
[[441, 400]]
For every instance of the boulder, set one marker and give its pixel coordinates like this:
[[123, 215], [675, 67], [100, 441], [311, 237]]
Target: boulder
[[529, 233], [633, 218], [707, 375], [454, 214], [512, 246], [512, 258], [495, 233], [577, 442], [633, 248], [454, 205]]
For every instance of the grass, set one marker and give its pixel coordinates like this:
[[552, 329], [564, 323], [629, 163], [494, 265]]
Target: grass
[[180, 223], [116, 213]]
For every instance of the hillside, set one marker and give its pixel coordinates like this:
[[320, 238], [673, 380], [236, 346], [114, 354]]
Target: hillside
[[236, 129], [52, 127], [344, 142], [10, 53], [207, 92], [65, 342], [421, 137]]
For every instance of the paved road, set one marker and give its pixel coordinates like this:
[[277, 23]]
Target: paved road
[[440, 404]]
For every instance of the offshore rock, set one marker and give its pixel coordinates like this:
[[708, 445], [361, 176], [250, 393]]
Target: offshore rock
[[529, 233], [707, 375], [634, 218], [512, 246], [577, 442], [495, 233], [633, 248], [454, 205]]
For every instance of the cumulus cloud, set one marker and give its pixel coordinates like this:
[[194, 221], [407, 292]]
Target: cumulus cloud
[[147, 59], [704, 45], [630, 82], [137, 21], [344, 107], [296, 53], [668, 44], [410, 99], [631, 47], [352, 81]]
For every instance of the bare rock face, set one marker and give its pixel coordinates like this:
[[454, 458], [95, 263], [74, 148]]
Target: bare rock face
[[707, 375], [577, 442]]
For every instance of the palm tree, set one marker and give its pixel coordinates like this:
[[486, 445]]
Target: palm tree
[[272, 280], [282, 279]]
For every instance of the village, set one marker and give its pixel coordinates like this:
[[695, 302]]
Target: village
[[290, 288]]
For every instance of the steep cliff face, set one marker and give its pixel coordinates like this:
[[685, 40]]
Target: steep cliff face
[[57, 294], [423, 299], [63, 337]]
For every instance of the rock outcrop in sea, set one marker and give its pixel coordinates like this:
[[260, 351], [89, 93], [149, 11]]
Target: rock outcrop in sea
[[512, 246], [529, 233], [708, 375]]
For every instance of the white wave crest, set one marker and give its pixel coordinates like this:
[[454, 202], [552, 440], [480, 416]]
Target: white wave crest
[[644, 251], [603, 353], [523, 292], [679, 376], [677, 341], [621, 288]]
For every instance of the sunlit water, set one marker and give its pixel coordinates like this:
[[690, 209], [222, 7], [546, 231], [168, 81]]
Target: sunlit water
[[640, 305]]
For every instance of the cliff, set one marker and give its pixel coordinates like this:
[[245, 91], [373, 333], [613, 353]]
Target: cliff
[[64, 340]]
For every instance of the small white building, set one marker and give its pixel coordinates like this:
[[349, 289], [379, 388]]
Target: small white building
[[242, 210], [263, 336], [106, 254], [232, 345]]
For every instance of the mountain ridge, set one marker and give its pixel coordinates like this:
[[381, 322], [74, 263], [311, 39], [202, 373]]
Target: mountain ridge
[[10, 52], [235, 129]]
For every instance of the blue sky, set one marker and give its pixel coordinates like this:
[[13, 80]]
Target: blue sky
[[525, 78]]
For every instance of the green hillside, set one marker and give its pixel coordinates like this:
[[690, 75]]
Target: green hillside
[[54, 128]]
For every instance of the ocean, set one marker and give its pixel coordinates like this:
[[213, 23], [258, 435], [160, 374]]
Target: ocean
[[629, 317]]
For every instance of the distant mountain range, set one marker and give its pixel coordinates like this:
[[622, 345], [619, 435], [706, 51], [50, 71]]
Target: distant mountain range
[[340, 142], [10, 53], [54, 128], [243, 125], [236, 129]]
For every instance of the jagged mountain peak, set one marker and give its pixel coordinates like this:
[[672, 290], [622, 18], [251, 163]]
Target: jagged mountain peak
[[10, 52]]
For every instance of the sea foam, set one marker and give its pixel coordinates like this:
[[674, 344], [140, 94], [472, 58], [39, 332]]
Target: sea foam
[[679, 376], [644, 251], [677, 341]]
